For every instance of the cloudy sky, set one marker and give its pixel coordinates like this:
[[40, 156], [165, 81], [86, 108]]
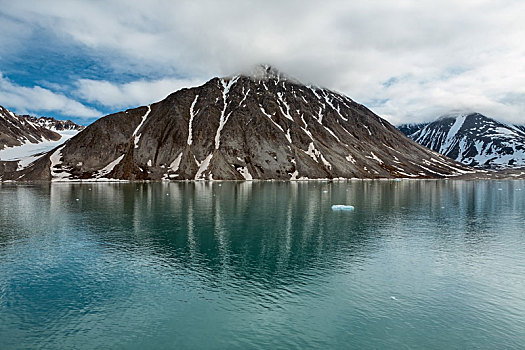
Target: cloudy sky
[[408, 61]]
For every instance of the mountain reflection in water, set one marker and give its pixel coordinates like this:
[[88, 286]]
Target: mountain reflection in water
[[422, 264]]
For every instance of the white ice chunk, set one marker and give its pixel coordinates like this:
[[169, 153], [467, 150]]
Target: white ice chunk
[[343, 207]]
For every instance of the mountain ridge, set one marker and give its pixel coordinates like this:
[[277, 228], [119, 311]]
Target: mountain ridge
[[472, 139]]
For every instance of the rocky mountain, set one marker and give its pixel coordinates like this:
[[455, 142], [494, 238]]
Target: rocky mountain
[[16, 130], [472, 139], [23, 138], [253, 126]]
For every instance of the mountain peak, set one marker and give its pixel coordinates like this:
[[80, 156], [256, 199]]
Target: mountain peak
[[262, 72], [472, 139]]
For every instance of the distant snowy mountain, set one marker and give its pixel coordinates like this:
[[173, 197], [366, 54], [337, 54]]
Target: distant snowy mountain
[[16, 130], [24, 138], [473, 140]]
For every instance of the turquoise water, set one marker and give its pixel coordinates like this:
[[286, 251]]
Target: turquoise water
[[268, 265]]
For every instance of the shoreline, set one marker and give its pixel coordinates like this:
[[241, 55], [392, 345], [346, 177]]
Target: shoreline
[[520, 175]]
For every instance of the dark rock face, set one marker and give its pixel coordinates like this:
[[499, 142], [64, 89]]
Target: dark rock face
[[261, 126], [16, 130], [473, 139], [7, 167]]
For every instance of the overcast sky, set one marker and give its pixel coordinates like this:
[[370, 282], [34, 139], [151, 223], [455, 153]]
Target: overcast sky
[[408, 61]]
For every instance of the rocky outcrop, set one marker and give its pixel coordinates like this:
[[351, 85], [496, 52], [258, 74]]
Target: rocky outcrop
[[259, 126]]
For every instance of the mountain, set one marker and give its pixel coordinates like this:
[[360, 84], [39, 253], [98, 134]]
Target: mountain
[[16, 130], [24, 138], [472, 139], [262, 125], [56, 125]]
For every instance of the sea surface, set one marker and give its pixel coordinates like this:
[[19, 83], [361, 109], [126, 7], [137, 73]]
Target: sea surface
[[263, 265]]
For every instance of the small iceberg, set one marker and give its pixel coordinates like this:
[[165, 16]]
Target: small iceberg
[[342, 207]]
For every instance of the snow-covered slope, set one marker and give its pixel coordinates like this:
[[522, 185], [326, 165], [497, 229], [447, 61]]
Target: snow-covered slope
[[29, 152], [24, 139], [16, 130], [472, 139]]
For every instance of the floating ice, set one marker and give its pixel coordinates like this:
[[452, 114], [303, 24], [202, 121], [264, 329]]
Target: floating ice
[[342, 207]]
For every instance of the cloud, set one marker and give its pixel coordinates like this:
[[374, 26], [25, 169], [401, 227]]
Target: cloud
[[38, 100], [436, 55], [129, 94], [13, 35]]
